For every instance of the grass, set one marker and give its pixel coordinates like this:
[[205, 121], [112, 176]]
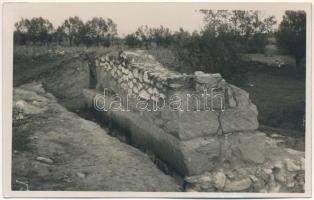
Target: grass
[[280, 100], [166, 57], [270, 60]]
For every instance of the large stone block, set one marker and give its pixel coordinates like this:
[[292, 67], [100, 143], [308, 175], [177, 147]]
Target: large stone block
[[249, 146], [189, 125], [239, 119]]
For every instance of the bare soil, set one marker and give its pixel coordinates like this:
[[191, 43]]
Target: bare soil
[[55, 149]]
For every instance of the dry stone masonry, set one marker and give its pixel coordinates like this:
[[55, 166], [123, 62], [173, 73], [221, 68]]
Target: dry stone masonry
[[169, 113]]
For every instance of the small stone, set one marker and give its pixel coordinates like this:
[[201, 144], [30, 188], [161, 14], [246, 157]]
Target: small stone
[[140, 77], [154, 98], [206, 178], [103, 64], [143, 94], [112, 73], [150, 91], [278, 164], [230, 175], [290, 181], [263, 190], [175, 85], [253, 178], [102, 59], [21, 116], [131, 85], [204, 78], [81, 175], [291, 166], [280, 177], [193, 179], [158, 85], [145, 77], [236, 186], [119, 73], [120, 80], [44, 160], [267, 171], [274, 188], [135, 73], [125, 78], [140, 86], [34, 137], [135, 90], [130, 76], [219, 180], [161, 95]]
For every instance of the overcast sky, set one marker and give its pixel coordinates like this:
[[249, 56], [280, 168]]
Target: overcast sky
[[128, 16]]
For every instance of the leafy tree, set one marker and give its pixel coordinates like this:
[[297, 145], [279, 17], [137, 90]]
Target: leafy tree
[[112, 29], [59, 35], [101, 31], [72, 27], [291, 34], [247, 27], [162, 36], [37, 30], [40, 30], [215, 21], [225, 34], [248, 23], [132, 41], [144, 35], [21, 31]]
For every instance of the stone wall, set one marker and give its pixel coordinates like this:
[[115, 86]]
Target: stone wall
[[201, 136], [140, 76]]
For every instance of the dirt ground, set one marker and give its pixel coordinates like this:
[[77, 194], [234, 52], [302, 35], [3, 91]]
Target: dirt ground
[[54, 149]]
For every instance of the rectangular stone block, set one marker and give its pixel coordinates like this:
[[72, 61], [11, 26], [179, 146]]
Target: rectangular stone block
[[239, 119]]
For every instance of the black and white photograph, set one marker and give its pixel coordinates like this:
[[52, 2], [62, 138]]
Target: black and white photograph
[[178, 98]]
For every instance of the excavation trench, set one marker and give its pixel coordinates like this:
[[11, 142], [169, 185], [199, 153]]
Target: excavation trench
[[114, 130], [179, 153], [67, 81]]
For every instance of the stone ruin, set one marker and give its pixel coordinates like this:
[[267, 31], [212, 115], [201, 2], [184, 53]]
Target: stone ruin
[[195, 135]]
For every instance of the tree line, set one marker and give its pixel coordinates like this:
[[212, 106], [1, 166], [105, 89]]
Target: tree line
[[225, 35], [215, 48], [73, 31]]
